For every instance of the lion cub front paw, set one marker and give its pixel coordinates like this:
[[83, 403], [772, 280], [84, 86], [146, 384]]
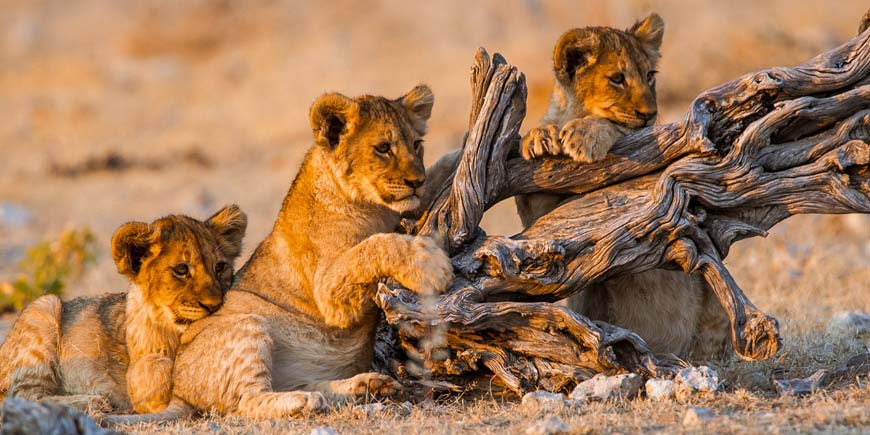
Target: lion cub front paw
[[427, 269], [372, 383], [588, 140], [541, 141]]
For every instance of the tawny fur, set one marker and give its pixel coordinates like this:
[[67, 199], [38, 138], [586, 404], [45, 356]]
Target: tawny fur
[[605, 89], [297, 329], [115, 352]]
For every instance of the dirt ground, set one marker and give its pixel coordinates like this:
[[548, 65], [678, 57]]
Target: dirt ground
[[129, 110]]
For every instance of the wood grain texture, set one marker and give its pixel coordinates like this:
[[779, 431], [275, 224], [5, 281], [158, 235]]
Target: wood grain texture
[[750, 153]]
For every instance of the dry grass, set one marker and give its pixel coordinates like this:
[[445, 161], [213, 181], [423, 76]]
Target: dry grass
[[126, 92]]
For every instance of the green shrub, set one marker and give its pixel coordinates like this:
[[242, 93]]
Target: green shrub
[[48, 267]]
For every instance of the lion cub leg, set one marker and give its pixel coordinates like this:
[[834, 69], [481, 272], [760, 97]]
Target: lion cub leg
[[149, 383], [229, 369], [29, 356], [343, 290], [588, 139]]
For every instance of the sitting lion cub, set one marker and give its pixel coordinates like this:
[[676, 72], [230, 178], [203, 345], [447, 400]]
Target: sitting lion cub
[[605, 89], [116, 351], [297, 329]]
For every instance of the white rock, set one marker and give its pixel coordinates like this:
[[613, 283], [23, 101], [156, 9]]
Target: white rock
[[323, 430], [605, 388], [660, 389], [692, 380], [850, 324], [696, 416], [548, 426]]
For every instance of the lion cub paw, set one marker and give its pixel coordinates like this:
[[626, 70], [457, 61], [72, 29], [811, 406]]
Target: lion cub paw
[[372, 383], [428, 269], [588, 140], [541, 141]]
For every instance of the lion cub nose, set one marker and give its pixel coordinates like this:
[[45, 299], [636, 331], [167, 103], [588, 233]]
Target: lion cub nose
[[646, 115], [415, 181], [211, 308]]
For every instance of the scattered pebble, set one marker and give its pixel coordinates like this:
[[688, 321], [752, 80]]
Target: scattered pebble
[[14, 215], [801, 387], [696, 416], [548, 426], [606, 388], [850, 324], [323, 430], [660, 389], [694, 380], [543, 401]]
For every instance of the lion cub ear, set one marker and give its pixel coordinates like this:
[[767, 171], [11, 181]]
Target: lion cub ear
[[418, 102], [575, 50], [229, 225], [131, 244], [649, 31], [332, 116]]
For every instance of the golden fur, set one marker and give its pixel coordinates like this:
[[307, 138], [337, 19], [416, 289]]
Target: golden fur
[[115, 352], [297, 328], [605, 88]]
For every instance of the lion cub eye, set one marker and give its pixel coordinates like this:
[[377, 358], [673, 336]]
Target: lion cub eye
[[181, 270], [418, 144], [220, 268], [617, 79], [383, 148], [651, 76]]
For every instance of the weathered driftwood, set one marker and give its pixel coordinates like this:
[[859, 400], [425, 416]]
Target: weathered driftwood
[[750, 153]]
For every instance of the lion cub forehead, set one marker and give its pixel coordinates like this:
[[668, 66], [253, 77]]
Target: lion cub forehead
[[387, 118]]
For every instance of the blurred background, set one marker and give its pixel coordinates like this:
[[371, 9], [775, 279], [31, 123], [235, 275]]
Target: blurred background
[[128, 110]]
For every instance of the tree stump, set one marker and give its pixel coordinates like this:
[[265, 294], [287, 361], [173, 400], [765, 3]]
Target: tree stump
[[750, 153]]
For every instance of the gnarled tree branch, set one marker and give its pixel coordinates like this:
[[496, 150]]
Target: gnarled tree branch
[[750, 153]]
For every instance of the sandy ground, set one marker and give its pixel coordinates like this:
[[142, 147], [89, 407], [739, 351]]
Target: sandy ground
[[124, 110]]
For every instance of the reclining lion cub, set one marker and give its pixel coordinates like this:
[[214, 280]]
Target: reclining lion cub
[[605, 89], [118, 349], [298, 326]]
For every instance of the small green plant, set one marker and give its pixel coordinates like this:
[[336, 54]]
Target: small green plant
[[48, 267]]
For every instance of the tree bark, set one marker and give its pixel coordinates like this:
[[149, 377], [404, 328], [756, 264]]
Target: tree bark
[[750, 153]]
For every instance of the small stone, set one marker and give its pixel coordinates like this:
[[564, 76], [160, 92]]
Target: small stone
[[605, 388], [371, 409], [543, 401], [548, 426], [850, 324], [323, 430], [14, 215], [693, 380], [801, 387], [660, 389], [696, 416]]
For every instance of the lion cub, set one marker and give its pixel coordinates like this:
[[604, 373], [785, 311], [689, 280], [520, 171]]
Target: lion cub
[[605, 89], [116, 351]]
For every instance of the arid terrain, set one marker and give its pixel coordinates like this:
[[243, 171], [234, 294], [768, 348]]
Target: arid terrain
[[127, 110]]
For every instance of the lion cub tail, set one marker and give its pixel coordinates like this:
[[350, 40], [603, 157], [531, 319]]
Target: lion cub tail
[[176, 410]]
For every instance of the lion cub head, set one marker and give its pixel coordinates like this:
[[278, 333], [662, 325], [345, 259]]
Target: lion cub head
[[374, 145], [182, 266], [611, 73]]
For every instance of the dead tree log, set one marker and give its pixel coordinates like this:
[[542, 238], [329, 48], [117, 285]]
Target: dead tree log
[[750, 153]]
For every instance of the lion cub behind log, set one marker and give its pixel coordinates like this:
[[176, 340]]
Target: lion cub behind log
[[605, 89], [116, 351]]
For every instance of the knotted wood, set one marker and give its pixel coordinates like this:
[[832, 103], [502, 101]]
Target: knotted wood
[[750, 153]]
